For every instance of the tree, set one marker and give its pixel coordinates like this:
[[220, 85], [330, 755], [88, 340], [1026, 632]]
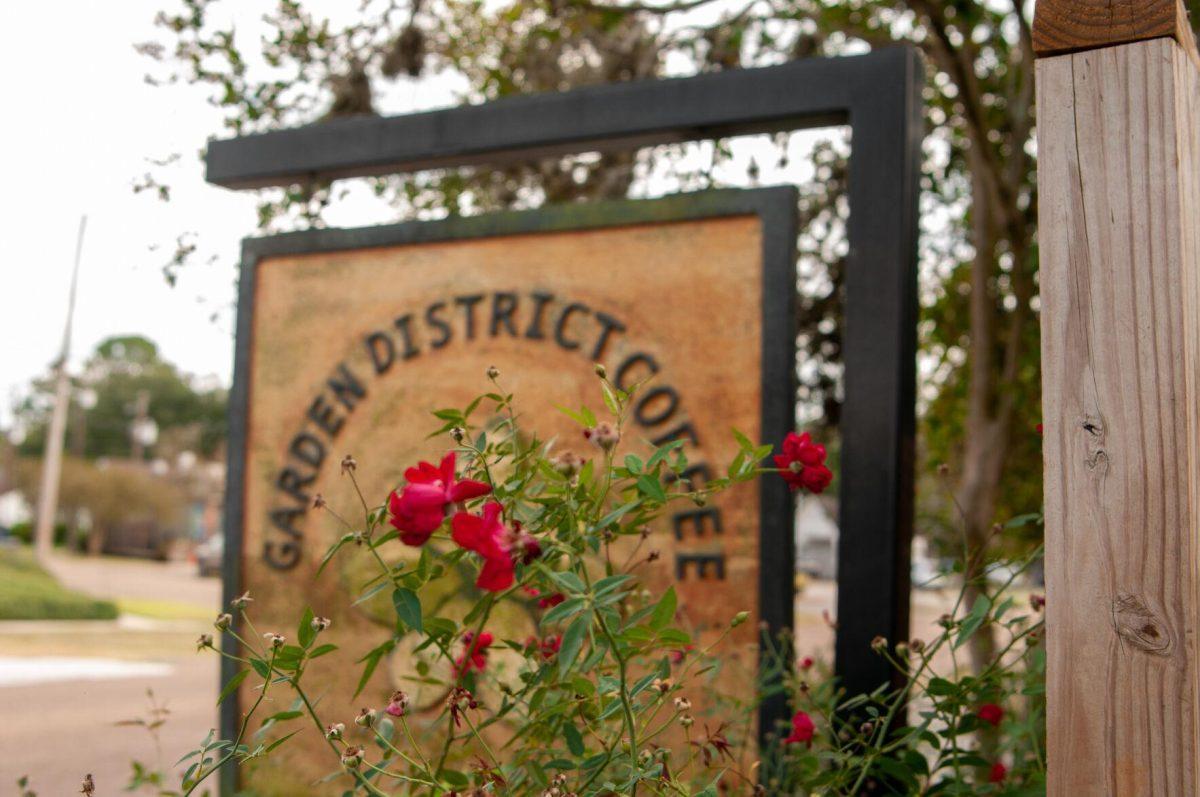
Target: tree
[[111, 494], [980, 395], [123, 379]]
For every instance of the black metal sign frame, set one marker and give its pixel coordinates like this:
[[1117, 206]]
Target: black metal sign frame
[[878, 95]]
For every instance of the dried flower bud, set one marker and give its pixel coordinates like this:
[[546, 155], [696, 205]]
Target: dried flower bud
[[1037, 602], [318, 501], [365, 718], [866, 728], [458, 433], [352, 757], [398, 705], [653, 556], [559, 780], [241, 601], [205, 641], [682, 704], [917, 645], [943, 469], [568, 463], [320, 623], [603, 435], [700, 499], [493, 372], [804, 686], [663, 685], [87, 786], [946, 620], [275, 640], [686, 720], [879, 644], [223, 621], [738, 619], [334, 731], [601, 371], [902, 648], [349, 464]]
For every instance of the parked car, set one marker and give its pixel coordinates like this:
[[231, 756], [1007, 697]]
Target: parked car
[[210, 556]]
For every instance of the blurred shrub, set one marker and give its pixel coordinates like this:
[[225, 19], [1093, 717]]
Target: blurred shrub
[[27, 592]]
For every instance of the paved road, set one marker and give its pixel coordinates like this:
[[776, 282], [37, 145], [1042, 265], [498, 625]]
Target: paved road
[[64, 685], [55, 732]]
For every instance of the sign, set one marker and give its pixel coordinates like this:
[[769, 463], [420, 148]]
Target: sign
[[349, 339]]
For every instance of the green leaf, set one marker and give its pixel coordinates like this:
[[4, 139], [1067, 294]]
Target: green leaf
[[609, 583], [664, 612], [408, 608], [305, 633], [372, 592], [974, 619], [279, 741], [321, 650], [568, 581], [572, 643], [650, 486], [574, 740], [742, 440], [633, 463], [455, 779], [232, 685]]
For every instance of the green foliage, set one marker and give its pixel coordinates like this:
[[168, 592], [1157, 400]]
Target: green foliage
[[27, 592], [122, 373], [967, 732]]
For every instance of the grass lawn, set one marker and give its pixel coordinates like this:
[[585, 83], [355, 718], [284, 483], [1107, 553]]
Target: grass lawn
[[27, 592]]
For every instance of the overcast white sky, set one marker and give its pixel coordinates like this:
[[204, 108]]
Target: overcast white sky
[[80, 123], [80, 127]]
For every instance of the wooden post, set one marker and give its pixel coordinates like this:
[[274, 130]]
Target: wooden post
[[1119, 235]]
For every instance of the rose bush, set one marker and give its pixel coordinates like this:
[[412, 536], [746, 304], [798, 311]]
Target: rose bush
[[606, 698]]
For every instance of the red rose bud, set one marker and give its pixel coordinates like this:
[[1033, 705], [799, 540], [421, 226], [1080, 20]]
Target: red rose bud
[[475, 652], [806, 663], [551, 601], [998, 774], [990, 713], [550, 646], [802, 463], [802, 729], [419, 509]]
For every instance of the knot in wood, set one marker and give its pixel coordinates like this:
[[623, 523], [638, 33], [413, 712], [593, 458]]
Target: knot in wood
[[1140, 626]]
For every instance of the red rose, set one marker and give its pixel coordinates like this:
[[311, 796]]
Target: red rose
[[990, 713], [421, 507], [806, 663], [998, 774], [815, 478], [802, 729], [487, 537], [677, 656], [550, 646], [475, 650], [802, 463], [551, 600]]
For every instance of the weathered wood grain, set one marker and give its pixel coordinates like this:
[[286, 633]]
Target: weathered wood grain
[[1119, 194], [1063, 26]]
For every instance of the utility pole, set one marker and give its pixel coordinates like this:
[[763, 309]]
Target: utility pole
[[52, 458]]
